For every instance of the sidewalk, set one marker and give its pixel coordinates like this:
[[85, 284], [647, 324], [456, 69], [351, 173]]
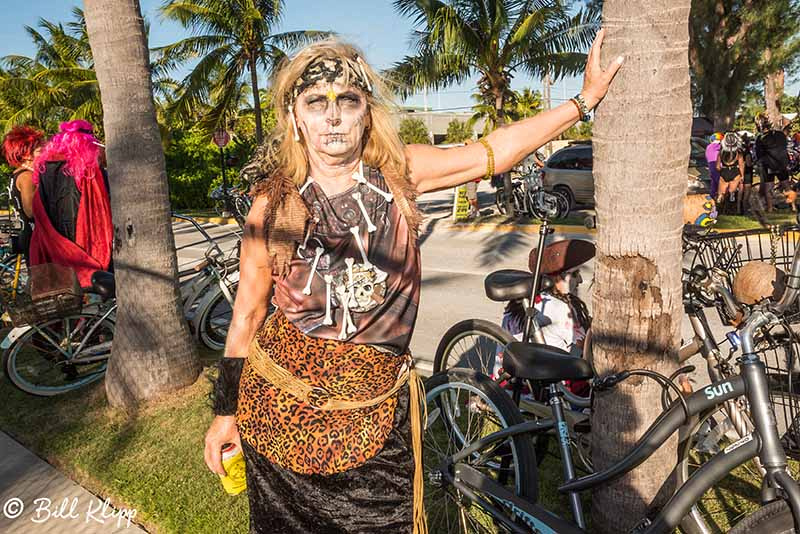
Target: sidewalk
[[26, 484]]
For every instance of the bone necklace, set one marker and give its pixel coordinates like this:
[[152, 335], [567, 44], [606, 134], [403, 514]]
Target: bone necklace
[[347, 290]]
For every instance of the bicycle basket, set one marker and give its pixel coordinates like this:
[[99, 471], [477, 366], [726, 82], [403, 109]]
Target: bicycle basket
[[729, 251], [780, 354], [54, 292]]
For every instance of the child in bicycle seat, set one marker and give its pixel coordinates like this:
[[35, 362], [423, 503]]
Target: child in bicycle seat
[[562, 316]]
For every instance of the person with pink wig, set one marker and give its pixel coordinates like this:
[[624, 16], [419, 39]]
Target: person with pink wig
[[71, 208]]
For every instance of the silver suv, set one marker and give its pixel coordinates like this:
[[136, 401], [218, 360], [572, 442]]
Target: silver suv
[[569, 172]]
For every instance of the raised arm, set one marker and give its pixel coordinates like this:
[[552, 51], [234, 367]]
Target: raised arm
[[434, 168]]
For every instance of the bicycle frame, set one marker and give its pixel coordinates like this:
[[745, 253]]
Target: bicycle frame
[[762, 443]]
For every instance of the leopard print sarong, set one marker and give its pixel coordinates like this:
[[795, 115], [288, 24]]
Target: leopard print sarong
[[299, 437]]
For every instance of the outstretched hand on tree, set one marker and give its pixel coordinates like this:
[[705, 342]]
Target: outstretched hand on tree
[[596, 80]]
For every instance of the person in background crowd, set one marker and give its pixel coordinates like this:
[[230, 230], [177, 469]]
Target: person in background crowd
[[71, 206], [749, 165], [730, 166], [712, 153], [772, 158], [21, 146]]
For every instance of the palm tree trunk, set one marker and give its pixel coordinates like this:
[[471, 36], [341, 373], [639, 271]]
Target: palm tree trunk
[[256, 100], [499, 102], [153, 352], [773, 91], [637, 291]]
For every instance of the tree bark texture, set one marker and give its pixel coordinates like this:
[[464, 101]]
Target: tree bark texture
[[153, 351], [773, 91], [641, 150]]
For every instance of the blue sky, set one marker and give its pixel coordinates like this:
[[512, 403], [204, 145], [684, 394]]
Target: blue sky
[[372, 25]]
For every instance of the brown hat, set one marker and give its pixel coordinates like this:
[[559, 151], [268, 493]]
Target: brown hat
[[562, 255]]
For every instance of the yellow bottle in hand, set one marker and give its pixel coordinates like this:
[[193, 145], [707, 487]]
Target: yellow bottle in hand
[[234, 482]]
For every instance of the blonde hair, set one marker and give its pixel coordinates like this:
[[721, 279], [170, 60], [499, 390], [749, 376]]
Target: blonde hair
[[383, 147], [283, 161]]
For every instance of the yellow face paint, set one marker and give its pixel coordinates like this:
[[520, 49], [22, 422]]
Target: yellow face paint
[[331, 95]]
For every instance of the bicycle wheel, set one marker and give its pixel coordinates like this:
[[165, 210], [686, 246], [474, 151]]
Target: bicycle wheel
[[473, 344], [563, 204], [464, 406], [736, 495], [500, 201], [775, 518], [216, 319], [60, 355]]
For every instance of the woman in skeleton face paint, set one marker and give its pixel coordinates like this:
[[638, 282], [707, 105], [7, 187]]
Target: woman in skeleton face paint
[[321, 395]]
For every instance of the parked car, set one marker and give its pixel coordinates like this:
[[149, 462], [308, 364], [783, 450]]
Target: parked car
[[569, 171]]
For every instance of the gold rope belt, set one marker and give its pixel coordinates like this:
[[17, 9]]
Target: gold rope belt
[[320, 398], [316, 396]]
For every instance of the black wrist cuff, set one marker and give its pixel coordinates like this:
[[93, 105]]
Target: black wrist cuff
[[225, 395]]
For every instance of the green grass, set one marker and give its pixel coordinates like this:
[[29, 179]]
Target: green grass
[[151, 460], [747, 222]]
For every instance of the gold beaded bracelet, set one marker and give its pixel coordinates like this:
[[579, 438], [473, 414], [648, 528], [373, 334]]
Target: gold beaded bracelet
[[490, 158]]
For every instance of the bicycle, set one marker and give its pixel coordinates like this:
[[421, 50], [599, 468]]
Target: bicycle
[[476, 344], [58, 354], [473, 427], [529, 195], [238, 199]]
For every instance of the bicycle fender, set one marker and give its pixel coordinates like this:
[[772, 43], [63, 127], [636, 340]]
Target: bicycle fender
[[13, 335]]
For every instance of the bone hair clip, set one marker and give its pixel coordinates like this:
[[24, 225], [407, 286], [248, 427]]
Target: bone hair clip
[[307, 289], [370, 227], [328, 319]]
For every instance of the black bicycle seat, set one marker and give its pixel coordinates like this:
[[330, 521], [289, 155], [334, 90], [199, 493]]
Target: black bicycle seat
[[508, 284], [543, 363], [512, 284], [103, 284]]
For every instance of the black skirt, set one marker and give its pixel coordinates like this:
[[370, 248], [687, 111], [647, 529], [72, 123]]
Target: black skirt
[[374, 498]]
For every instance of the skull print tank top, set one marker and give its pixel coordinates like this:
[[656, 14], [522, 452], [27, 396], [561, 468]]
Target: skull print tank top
[[356, 276]]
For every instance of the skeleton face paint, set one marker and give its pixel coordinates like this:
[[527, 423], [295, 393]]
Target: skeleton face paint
[[332, 127]]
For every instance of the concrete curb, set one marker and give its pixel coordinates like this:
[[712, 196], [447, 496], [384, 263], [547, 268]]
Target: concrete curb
[[523, 228], [211, 220]]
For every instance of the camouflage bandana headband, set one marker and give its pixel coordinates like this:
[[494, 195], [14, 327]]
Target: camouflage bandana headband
[[329, 70]]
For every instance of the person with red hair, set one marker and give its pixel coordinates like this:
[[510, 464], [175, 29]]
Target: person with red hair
[[20, 147], [71, 208]]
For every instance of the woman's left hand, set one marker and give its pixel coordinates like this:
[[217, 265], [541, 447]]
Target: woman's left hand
[[596, 80]]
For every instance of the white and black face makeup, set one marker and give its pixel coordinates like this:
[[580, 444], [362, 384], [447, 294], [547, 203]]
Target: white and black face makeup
[[332, 119]]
